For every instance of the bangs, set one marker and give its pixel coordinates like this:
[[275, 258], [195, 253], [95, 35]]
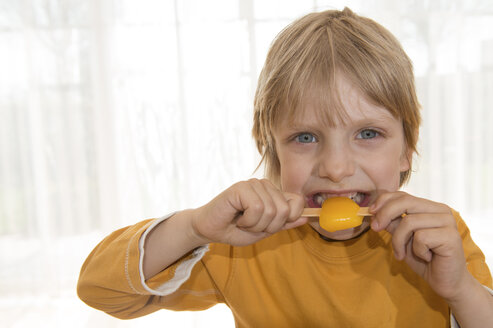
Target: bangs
[[308, 65], [312, 84], [323, 97]]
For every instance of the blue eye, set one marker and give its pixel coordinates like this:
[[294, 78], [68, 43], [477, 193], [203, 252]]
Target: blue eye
[[305, 138], [368, 134]]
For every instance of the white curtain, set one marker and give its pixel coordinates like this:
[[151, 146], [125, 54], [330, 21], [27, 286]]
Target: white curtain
[[116, 111]]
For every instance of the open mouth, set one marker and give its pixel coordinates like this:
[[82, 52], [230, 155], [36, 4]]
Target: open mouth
[[360, 198]]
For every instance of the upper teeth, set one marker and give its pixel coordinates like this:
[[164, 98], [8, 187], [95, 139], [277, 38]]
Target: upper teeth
[[357, 197]]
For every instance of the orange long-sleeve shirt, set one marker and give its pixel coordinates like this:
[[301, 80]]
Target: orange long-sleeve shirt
[[291, 279]]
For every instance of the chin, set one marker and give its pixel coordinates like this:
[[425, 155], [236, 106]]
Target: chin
[[342, 235]]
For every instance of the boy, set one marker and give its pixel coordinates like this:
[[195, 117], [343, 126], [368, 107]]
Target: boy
[[335, 115]]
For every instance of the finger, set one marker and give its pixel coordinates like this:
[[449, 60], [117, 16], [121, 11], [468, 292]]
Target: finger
[[242, 237], [420, 244], [386, 210], [282, 208], [408, 225], [270, 201], [296, 205], [295, 202], [257, 205], [294, 224], [277, 223], [393, 225], [391, 206], [445, 242], [289, 208], [413, 223], [275, 210], [400, 202]]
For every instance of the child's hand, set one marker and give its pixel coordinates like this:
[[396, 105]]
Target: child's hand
[[426, 237], [247, 212]]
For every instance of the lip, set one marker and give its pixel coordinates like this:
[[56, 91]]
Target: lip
[[310, 202]]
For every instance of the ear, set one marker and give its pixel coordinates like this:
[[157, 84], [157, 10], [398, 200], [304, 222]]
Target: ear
[[406, 159]]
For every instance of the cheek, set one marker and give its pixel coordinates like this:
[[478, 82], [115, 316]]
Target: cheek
[[388, 179], [384, 173], [294, 173], [385, 165]]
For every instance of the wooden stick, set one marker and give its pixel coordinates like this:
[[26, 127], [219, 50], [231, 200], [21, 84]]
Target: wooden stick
[[315, 212]]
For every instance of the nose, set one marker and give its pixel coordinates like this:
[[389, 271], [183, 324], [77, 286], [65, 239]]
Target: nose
[[336, 162]]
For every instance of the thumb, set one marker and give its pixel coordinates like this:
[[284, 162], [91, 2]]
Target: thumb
[[295, 224]]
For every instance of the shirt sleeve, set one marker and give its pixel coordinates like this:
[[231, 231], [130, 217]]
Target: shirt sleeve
[[475, 260], [112, 280]]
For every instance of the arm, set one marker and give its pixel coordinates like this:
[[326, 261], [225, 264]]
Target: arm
[[169, 241], [428, 239], [473, 305], [241, 215], [112, 280]]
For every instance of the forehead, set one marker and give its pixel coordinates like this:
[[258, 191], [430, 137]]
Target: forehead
[[340, 105]]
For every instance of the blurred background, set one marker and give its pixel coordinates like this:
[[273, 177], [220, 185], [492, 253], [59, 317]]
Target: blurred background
[[113, 111]]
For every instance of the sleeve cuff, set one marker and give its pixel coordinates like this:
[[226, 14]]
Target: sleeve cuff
[[181, 269]]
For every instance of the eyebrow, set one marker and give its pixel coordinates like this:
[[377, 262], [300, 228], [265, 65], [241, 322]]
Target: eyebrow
[[375, 120], [378, 119]]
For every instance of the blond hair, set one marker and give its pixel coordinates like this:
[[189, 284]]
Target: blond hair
[[301, 66]]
